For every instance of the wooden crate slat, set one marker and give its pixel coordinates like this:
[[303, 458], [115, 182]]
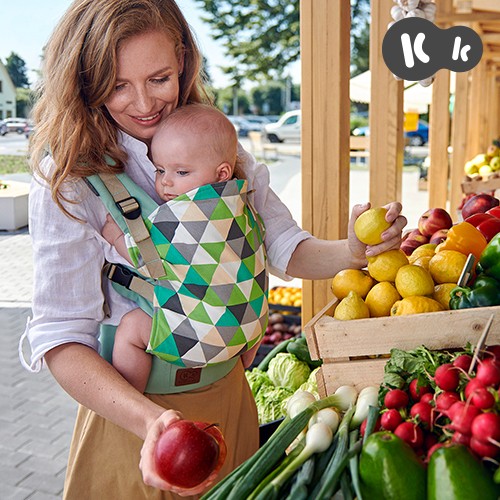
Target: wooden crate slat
[[356, 373], [338, 342]]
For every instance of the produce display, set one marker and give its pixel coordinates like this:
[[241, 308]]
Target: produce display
[[423, 275], [484, 164], [287, 368], [280, 328], [431, 430], [188, 453], [312, 454], [436, 409]]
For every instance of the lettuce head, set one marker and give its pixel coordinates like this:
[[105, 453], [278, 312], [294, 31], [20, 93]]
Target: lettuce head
[[286, 370]]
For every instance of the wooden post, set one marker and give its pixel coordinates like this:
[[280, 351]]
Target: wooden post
[[459, 138], [325, 49], [386, 115], [439, 130]]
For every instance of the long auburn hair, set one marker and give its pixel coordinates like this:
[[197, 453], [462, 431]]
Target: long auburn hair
[[79, 74]]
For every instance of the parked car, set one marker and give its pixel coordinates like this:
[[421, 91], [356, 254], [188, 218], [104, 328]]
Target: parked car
[[287, 128], [3, 128], [417, 137], [15, 124], [28, 129]]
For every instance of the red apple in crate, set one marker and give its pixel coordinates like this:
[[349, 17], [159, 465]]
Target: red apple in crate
[[439, 236], [489, 228], [188, 453], [433, 220], [495, 212], [413, 240], [476, 219], [479, 203]]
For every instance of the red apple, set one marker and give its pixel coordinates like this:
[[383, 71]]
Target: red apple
[[433, 220], [489, 228], [413, 240], [439, 236], [479, 203], [476, 219], [495, 211], [188, 453]]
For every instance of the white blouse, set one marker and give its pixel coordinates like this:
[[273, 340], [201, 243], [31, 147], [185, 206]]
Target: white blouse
[[69, 292]]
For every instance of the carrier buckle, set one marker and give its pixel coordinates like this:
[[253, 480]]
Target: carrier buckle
[[129, 207], [119, 274]]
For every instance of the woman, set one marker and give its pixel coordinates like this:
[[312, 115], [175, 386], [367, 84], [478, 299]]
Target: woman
[[113, 70]]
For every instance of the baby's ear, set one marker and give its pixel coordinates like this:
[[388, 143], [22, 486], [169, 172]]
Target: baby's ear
[[224, 172]]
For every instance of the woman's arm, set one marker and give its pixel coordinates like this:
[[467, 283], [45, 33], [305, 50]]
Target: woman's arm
[[112, 233], [322, 259], [98, 386]]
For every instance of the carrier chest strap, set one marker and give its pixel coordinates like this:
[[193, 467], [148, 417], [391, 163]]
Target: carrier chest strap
[[131, 210], [122, 276]]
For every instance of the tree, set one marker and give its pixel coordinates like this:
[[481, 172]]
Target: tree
[[16, 67], [360, 36], [261, 37]]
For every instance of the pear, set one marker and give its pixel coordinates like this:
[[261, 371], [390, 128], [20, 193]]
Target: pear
[[351, 307]]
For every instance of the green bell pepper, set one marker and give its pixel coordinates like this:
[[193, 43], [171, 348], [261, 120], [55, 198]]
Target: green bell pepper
[[490, 258], [454, 474], [484, 292]]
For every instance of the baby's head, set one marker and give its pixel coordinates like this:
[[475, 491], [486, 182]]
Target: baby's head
[[195, 145]]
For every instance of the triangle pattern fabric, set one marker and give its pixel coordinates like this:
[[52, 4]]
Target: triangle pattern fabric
[[214, 304]]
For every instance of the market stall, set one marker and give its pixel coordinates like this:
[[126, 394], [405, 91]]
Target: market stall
[[417, 333]]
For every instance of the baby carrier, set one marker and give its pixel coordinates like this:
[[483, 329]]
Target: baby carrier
[[199, 268]]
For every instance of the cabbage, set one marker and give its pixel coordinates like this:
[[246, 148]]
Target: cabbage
[[311, 384], [256, 379], [286, 370], [271, 403]]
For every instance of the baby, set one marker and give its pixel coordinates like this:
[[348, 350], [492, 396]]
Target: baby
[[194, 146]]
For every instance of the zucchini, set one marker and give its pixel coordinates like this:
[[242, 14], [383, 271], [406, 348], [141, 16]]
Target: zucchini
[[301, 351]]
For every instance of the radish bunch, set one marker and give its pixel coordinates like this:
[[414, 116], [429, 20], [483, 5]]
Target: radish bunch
[[445, 402]]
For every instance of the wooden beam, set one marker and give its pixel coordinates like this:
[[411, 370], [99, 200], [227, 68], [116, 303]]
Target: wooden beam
[[439, 130], [466, 18], [325, 46], [459, 140], [386, 116]]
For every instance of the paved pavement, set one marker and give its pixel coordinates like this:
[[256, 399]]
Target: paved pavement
[[36, 415]]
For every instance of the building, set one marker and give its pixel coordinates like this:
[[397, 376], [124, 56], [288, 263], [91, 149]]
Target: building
[[7, 94]]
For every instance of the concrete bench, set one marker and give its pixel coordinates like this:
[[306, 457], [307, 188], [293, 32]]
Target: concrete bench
[[261, 146], [359, 147]]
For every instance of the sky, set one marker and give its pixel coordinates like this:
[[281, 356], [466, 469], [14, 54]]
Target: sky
[[26, 26]]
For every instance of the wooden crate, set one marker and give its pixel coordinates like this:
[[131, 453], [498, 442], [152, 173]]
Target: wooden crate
[[481, 184], [344, 346]]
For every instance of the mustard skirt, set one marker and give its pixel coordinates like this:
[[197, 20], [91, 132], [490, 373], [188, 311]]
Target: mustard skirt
[[104, 458]]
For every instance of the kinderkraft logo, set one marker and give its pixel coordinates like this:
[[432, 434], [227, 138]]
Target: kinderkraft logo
[[414, 48]]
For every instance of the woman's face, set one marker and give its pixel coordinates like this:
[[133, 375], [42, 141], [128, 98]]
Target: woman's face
[[147, 85]]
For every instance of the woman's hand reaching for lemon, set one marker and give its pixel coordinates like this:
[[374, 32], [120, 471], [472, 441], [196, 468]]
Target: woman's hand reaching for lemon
[[384, 224]]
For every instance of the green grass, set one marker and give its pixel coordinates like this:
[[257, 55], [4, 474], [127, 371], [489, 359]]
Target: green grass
[[12, 164]]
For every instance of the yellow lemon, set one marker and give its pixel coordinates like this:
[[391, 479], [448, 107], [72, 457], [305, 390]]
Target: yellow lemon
[[351, 307], [415, 305], [446, 266], [385, 265], [414, 280], [442, 293], [381, 298], [370, 225], [422, 261], [428, 249], [349, 280]]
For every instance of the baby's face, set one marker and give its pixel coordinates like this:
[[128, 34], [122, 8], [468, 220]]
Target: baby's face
[[182, 166]]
